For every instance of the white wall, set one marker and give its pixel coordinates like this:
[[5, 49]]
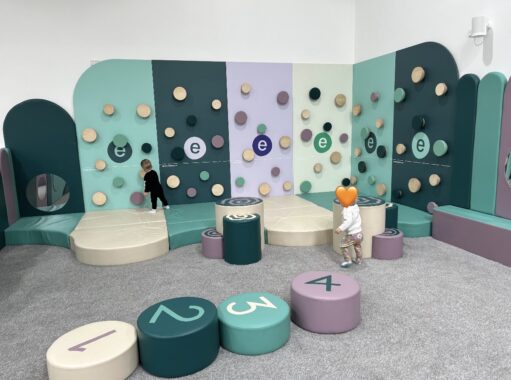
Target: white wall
[[383, 26], [46, 44]]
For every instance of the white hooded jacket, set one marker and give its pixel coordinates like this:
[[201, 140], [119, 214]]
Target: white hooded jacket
[[352, 223]]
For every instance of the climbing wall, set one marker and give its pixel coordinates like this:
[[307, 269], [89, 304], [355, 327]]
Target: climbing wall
[[321, 126], [424, 119], [373, 121], [192, 129], [116, 128], [503, 206], [260, 128]]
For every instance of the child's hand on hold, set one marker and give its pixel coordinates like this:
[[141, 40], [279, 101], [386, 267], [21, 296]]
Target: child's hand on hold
[[338, 230]]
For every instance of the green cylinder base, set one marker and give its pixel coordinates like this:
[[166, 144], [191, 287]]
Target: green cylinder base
[[242, 239]]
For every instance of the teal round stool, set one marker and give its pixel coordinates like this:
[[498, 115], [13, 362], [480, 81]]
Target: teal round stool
[[254, 323], [242, 239], [178, 337]]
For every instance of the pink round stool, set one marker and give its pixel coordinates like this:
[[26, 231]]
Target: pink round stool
[[388, 245], [212, 244], [325, 302]]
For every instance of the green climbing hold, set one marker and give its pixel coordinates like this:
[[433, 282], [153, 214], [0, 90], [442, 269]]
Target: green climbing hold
[[118, 182], [371, 180], [305, 187], [364, 133], [204, 175], [261, 128], [240, 181], [120, 141], [399, 95], [440, 148]]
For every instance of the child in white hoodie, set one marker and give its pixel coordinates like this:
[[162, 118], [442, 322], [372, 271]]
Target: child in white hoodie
[[352, 226]]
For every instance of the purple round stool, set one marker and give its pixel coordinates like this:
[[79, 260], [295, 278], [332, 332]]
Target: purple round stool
[[325, 302], [388, 245], [212, 244]]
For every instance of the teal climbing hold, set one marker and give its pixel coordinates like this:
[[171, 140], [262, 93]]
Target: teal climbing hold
[[261, 128], [204, 175], [118, 182], [305, 187], [240, 181], [120, 141]]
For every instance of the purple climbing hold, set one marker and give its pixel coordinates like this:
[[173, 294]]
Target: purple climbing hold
[[306, 135]]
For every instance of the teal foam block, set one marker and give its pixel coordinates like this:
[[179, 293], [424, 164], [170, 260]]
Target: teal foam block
[[377, 74], [44, 230], [462, 147], [125, 84], [324, 199], [413, 222], [185, 223], [487, 140]]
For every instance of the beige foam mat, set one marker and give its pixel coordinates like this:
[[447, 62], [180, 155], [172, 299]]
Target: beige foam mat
[[120, 237], [294, 222]]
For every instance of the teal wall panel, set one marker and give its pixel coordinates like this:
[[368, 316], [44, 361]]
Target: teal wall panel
[[374, 76], [125, 84], [487, 140]]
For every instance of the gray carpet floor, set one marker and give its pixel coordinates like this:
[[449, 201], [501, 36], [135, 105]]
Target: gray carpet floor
[[438, 313]]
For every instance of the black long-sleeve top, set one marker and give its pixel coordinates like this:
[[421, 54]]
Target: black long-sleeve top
[[152, 182]]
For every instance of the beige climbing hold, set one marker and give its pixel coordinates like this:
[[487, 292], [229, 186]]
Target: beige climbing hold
[[170, 132], [99, 198], [264, 189], [306, 114], [89, 135], [381, 189], [173, 181], [217, 190], [357, 152], [335, 158], [357, 110], [379, 123], [246, 88], [318, 168], [400, 149], [340, 100], [285, 142], [418, 74], [100, 165], [108, 109], [414, 185], [144, 111], [441, 89], [179, 93], [353, 180], [216, 104], [434, 180], [287, 186], [248, 155]]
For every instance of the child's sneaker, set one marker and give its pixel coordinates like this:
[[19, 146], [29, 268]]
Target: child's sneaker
[[346, 264], [166, 207], [153, 211]]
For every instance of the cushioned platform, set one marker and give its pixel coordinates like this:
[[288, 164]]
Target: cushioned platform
[[46, 230], [413, 222], [185, 223], [118, 237], [293, 221], [485, 235]]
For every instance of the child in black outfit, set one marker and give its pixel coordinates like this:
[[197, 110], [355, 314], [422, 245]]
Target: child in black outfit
[[152, 185]]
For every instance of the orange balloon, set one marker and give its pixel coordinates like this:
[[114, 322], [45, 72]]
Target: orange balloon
[[346, 195]]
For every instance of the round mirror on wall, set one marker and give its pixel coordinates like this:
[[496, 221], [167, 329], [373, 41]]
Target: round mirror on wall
[[507, 169], [47, 192]]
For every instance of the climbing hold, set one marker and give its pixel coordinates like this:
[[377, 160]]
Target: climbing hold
[[248, 155], [306, 135], [371, 180], [399, 95], [335, 158], [346, 182], [261, 129], [418, 74], [217, 190], [364, 133], [118, 182], [216, 104], [441, 89], [381, 189], [379, 123], [306, 114], [170, 132], [204, 175], [314, 93], [143, 111], [440, 148], [397, 193], [431, 206], [240, 181], [177, 154], [419, 122], [353, 180], [414, 185], [434, 180], [285, 142], [108, 109], [327, 126], [179, 93], [375, 96], [240, 118], [146, 148], [246, 88], [137, 198], [340, 100], [305, 187], [344, 137], [357, 152], [357, 110], [317, 168], [173, 181], [264, 189], [282, 98], [275, 171], [99, 198], [362, 167], [191, 120], [100, 165], [120, 141], [287, 186], [381, 151], [217, 141], [400, 149], [191, 192], [89, 135]]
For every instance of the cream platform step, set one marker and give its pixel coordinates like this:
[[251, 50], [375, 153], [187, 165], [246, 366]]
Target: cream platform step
[[294, 222], [119, 237]]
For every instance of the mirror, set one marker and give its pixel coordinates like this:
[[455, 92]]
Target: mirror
[[507, 169], [47, 192]]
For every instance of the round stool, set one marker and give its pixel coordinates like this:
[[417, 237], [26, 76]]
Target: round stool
[[239, 206], [242, 239], [178, 337], [99, 350], [325, 302], [391, 213], [388, 245], [372, 213], [253, 323], [212, 244]]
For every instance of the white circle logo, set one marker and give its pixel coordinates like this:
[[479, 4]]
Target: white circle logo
[[195, 148]]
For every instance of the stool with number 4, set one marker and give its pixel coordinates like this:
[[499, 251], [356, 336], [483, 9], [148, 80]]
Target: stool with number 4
[[325, 302], [178, 337], [254, 323]]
